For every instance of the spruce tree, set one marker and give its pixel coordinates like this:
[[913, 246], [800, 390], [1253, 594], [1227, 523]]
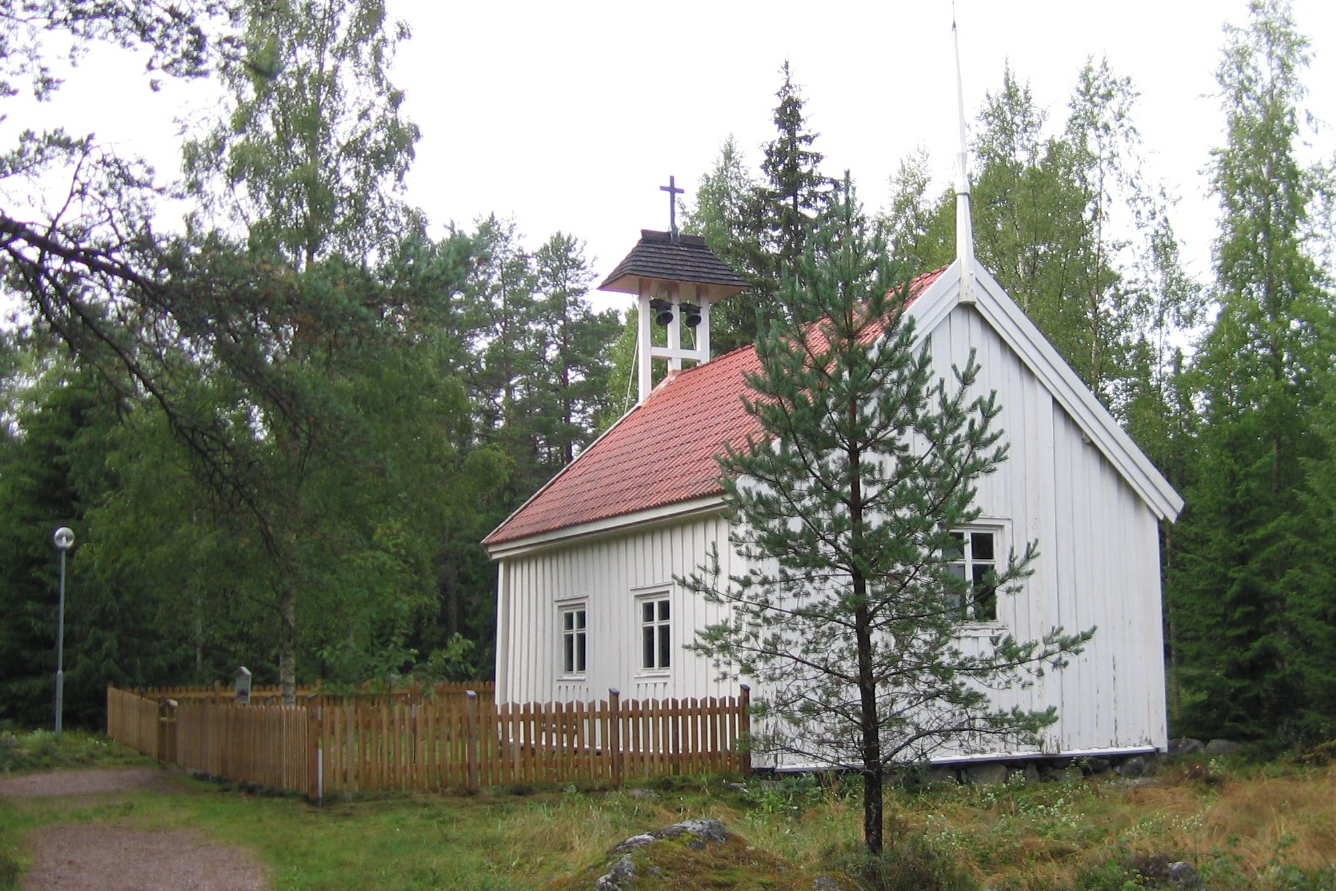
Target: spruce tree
[[794, 193], [762, 228], [844, 513], [720, 216], [1240, 587]]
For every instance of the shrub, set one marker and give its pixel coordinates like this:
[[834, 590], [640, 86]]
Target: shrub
[[909, 862]]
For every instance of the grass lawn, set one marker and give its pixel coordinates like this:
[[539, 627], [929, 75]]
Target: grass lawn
[[1270, 827]]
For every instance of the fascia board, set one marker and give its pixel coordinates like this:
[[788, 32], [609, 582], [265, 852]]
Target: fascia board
[[620, 523], [558, 475], [935, 304]]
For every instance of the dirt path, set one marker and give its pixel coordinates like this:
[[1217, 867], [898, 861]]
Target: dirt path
[[108, 857]]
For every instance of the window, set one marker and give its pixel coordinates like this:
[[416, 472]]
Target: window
[[656, 647], [574, 639], [974, 559]]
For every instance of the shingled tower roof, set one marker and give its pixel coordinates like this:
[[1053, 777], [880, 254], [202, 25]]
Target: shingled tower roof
[[658, 257]]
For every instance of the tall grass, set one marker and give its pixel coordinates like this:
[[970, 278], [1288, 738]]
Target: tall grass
[[1269, 828]]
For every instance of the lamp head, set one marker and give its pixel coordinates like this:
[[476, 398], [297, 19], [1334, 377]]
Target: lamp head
[[64, 538]]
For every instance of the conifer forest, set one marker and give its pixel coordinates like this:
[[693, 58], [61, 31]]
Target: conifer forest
[[280, 428]]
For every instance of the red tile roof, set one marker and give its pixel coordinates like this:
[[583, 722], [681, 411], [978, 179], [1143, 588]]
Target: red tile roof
[[663, 452]]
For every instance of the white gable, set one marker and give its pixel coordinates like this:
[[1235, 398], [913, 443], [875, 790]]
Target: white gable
[[1025, 339]]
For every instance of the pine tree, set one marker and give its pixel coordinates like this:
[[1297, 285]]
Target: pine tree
[[844, 511], [574, 376], [795, 192]]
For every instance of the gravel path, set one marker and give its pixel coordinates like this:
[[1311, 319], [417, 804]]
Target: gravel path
[[108, 857], [85, 782]]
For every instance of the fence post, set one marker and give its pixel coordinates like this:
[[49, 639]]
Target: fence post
[[167, 732], [473, 766], [315, 741], [744, 730], [615, 735]]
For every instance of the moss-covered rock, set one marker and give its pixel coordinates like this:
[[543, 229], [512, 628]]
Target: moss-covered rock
[[693, 854]]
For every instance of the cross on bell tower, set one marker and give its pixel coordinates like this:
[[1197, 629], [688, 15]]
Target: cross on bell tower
[[673, 191], [676, 279]]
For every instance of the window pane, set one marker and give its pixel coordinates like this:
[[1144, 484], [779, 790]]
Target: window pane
[[663, 611], [664, 647], [647, 653], [981, 543], [580, 653], [579, 618], [957, 550], [567, 620], [647, 611], [985, 604], [568, 659]]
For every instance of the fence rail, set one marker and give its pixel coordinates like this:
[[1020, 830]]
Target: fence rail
[[447, 741], [321, 694]]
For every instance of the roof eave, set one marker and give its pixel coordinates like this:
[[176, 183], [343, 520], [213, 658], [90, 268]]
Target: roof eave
[[615, 524]]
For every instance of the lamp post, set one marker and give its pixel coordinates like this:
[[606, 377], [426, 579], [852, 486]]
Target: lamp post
[[64, 539]]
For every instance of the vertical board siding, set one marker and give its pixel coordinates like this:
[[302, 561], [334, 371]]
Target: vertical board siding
[[1098, 566], [609, 573], [1098, 563]]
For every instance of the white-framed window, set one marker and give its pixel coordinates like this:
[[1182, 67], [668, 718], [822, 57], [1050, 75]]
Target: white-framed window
[[574, 638], [974, 558], [656, 633]]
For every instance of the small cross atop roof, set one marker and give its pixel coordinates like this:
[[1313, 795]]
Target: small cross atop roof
[[673, 191]]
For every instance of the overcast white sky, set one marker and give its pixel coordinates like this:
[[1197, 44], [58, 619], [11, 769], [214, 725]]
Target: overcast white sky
[[569, 116]]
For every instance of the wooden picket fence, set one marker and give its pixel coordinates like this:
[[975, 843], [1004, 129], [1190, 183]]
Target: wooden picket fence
[[141, 723], [440, 743]]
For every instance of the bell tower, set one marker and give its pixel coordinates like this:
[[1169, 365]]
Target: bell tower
[[676, 279]]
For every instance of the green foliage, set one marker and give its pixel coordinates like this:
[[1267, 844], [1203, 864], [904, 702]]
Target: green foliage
[[53, 469], [40, 750], [1072, 228], [539, 372], [449, 663], [909, 862], [313, 150], [1246, 580], [762, 228], [788, 795]]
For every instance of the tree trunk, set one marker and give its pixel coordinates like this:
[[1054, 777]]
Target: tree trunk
[[287, 648], [871, 737]]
